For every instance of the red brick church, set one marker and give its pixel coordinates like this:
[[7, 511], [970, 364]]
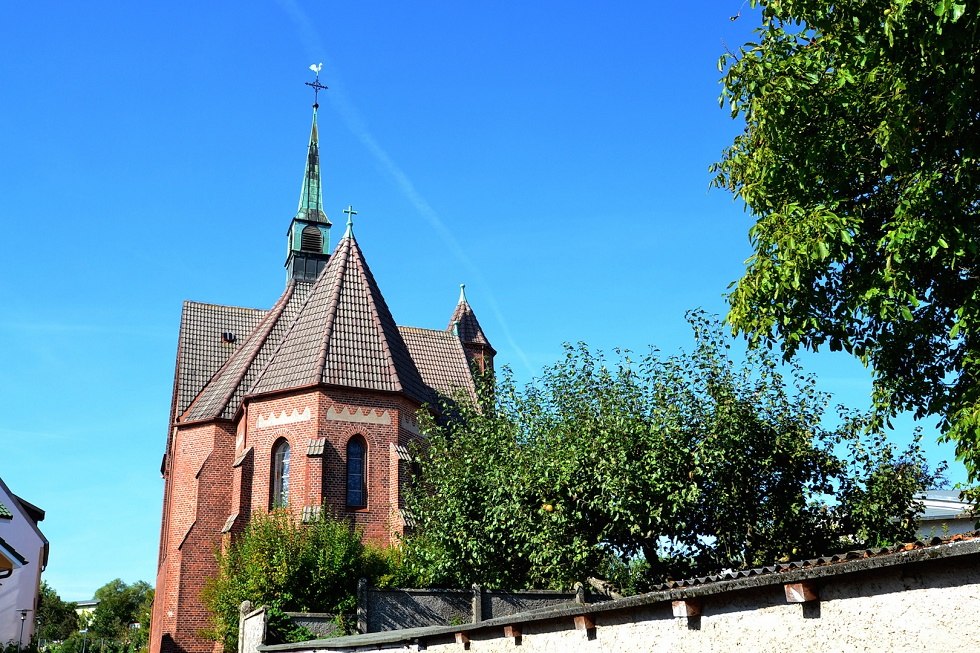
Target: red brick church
[[312, 402]]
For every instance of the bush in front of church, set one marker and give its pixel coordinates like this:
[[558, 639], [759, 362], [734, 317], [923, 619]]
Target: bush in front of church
[[289, 566]]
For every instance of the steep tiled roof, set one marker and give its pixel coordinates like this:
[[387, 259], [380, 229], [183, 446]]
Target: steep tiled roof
[[466, 325], [201, 349], [222, 396], [336, 331], [344, 335], [440, 359]]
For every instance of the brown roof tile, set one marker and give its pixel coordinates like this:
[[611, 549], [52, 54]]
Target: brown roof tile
[[344, 335], [222, 396], [440, 359], [335, 331], [823, 561], [201, 349], [466, 325]]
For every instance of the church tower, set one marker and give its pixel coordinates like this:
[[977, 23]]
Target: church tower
[[310, 405], [308, 238]]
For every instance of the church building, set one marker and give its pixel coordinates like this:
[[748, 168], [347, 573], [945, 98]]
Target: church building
[[310, 403]]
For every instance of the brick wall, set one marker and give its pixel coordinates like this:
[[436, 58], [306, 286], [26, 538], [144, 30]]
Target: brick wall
[[196, 504], [219, 474]]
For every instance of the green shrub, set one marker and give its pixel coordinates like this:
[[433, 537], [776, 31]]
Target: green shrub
[[288, 566]]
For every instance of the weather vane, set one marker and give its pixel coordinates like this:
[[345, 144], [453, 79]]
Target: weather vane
[[316, 68]]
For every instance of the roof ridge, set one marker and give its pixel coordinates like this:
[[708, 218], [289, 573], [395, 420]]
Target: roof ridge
[[244, 308], [399, 355], [342, 335], [386, 346], [250, 350], [332, 305], [285, 336], [441, 332], [5, 489]]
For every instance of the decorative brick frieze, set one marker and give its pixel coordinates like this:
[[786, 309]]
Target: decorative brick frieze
[[292, 417], [358, 415]]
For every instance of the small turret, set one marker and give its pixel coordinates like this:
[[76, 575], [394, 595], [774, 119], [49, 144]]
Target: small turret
[[479, 352]]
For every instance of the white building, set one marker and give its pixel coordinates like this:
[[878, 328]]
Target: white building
[[945, 513], [23, 556]]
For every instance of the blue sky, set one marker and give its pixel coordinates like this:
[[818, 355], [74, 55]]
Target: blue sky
[[551, 155]]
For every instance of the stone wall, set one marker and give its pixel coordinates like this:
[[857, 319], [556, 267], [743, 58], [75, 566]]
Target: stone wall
[[414, 608], [909, 600], [252, 626], [321, 624], [901, 612], [392, 609]]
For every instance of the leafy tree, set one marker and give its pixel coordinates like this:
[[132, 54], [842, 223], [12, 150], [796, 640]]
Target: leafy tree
[[657, 467], [57, 618], [288, 566], [120, 608], [859, 162]]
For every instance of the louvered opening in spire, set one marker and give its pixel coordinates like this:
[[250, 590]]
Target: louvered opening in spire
[[308, 238], [311, 239]]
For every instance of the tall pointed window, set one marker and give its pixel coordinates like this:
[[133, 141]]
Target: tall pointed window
[[356, 486], [280, 474]]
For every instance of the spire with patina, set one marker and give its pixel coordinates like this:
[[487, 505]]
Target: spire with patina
[[308, 238]]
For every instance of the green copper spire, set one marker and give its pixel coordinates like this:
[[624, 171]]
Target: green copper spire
[[311, 195], [308, 238]]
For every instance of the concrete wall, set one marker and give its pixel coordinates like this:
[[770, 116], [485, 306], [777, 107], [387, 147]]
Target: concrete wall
[[902, 610], [909, 598]]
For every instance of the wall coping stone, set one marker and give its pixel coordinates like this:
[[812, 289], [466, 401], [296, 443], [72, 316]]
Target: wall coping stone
[[944, 551]]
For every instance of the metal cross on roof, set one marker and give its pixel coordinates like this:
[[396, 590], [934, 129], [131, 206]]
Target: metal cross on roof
[[315, 84], [350, 214]]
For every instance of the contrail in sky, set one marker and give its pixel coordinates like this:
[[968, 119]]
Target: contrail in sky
[[316, 51]]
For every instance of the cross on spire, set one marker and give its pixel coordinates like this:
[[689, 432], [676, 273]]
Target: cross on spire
[[315, 84], [350, 214]]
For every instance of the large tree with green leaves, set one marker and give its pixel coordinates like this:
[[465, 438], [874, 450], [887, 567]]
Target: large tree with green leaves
[[122, 617], [859, 161], [57, 619], [690, 463]]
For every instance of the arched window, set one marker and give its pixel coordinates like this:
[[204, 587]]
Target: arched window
[[280, 474], [356, 486]]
